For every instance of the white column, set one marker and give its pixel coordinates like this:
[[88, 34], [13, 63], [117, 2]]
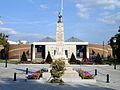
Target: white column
[[33, 54], [87, 51]]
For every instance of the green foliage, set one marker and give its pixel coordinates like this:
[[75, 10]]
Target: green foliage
[[4, 42], [49, 59], [57, 71], [58, 68], [23, 58], [72, 59], [57, 81], [2, 38], [98, 59], [10, 61], [115, 45]]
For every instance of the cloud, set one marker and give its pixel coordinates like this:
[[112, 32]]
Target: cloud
[[8, 30], [14, 35], [1, 22], [82, 11], [30, 35], [103, 4], [108, 10], [31, 1], [108, 4], [25, 22], [43, 6], [110, 19]]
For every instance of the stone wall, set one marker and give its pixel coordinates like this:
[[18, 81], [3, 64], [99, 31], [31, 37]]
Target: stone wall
[[97, 48], [15, 51]]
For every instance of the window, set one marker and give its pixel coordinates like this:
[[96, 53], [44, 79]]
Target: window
[[54, 52], [66, 53]]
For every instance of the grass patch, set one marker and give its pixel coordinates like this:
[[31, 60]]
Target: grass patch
[[10, 61], [112, 61]]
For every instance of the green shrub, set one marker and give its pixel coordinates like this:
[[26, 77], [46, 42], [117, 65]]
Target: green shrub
[[57, 81], [23, 58], [49, 59], [72, 59], [57, 71], [98, 59]]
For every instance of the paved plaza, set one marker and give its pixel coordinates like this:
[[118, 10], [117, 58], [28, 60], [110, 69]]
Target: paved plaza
[[7, 83]]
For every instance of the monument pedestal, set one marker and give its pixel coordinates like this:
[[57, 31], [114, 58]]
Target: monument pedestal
[[69, 75]]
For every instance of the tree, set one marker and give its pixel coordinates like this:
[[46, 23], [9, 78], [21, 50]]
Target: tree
[[115, 45], [98, 59], [4, 42], [23, 58], [72, 59], [49, 59]]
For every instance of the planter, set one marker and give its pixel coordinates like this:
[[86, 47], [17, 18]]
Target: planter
[[78, 80]]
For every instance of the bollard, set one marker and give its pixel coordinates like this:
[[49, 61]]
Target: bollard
[[108, 79], [95, 72], [14, 77], [26, 70]]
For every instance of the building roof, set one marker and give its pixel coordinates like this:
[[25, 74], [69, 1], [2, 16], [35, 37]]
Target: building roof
[[47, 39], [73, 39]]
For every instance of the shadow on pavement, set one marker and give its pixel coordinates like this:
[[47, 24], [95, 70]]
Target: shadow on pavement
[[22, 84]]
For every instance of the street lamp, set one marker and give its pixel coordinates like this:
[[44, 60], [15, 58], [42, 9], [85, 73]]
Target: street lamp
[[114, 41], [6, 50], [103, 51], [19, 43], [119, 29]]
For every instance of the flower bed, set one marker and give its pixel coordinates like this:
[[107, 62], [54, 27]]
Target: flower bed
[[35, 75], [87, 62], [85, 74]]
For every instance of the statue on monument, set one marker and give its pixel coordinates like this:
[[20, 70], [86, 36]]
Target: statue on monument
[[60, 18]]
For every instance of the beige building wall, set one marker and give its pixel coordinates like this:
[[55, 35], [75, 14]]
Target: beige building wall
[[98, 48], [15, 51]]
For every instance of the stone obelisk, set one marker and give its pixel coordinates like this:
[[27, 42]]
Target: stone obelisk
[[60, 39]]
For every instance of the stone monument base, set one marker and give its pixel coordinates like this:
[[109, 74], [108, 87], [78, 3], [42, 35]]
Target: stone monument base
[[69, 74]]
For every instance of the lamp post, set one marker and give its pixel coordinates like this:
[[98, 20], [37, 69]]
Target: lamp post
[[19, 43], [103, 51], [6, 51], [119, 30], [114, 41]]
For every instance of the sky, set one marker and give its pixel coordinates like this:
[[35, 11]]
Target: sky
[[93, 21]]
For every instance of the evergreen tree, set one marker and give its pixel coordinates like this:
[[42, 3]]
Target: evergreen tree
[[23, 58], [98, 59], [49, 59], [72, 59]]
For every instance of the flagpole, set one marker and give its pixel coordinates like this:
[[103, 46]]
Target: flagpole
[[62, 7]]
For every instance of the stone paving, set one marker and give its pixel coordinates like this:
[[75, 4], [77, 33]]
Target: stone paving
[[7, 83]]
